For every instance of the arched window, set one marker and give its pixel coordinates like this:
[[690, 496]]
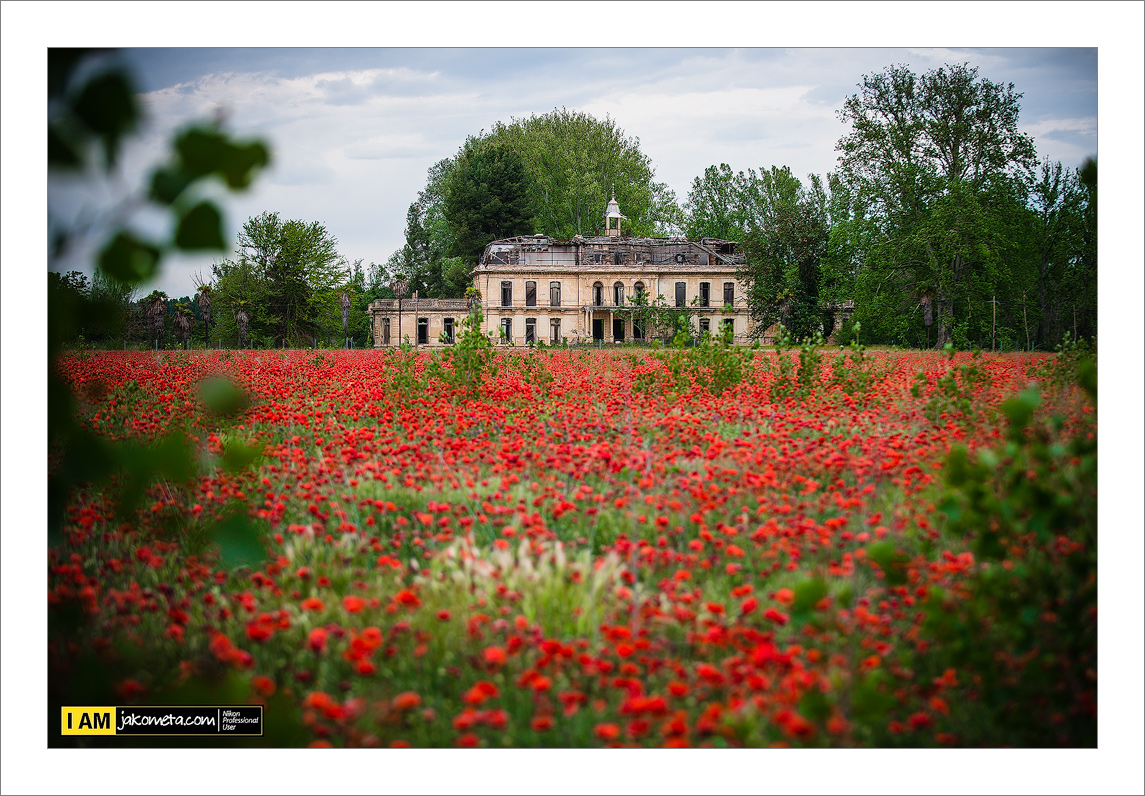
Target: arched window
[[638, 288], [597, 294], [618, 294]]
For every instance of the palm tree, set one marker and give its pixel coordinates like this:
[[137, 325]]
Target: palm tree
[[156, 305], [242, 317], [184, 318], [203, 299]]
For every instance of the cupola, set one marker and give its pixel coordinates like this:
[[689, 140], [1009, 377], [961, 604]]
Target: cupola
[[612, 217]]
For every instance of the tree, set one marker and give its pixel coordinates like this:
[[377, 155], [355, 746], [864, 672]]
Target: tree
[[715, 204], [784, 242], [183, 320], [294, 271], [920, 154], [572, 163], [576, 163], [203, 298], [156, 305], [486, 197], [1057, 201], [429, 238]]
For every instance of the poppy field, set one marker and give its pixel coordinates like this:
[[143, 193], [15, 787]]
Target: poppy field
[[629, 547]]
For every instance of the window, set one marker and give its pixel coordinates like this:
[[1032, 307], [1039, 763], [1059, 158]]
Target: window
[[554, 294], [530, 294], [506, 294], [705, 325], [638, 289], [507, 329], [555, 330], [618, 294], [729, 293], [637, 329], [729, 329], [448, 323], [596, 258], [597, 294], [530, 330], [385, 331], [639, 257], [705, 294], [681, 293], [422, 331], [617, 258]]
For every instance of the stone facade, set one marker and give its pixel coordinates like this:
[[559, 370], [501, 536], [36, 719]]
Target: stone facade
[[421, 321], [581, 289], [576, 290], [538, 288]]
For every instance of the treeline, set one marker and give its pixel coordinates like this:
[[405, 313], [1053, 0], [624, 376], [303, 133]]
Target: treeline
[[286, 285], [940, 223]]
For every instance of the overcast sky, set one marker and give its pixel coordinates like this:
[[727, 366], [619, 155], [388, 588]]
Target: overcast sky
[[353, 130]]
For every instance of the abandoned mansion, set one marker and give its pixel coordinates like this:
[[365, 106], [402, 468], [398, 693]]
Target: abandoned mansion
[[580, 289]]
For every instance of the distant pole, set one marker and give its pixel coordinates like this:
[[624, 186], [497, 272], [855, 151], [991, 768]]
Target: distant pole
[[994, 322], [1025, 321]]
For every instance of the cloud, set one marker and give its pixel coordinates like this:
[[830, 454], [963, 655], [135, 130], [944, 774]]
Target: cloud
[[1052, 127], [353, 132]]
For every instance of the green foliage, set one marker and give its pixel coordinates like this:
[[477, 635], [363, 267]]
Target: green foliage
[[941, 227], [659, 319], [222, 397], [576, 162], [714, 364], [239, 542], [857, 374], [101, 110], [568, 164], [714, 207], [287, 276], [486, 198], [1028, 623], [791, 380], [469, 362], [810, 373], [1074, 362], [785, 241], [955, 391]]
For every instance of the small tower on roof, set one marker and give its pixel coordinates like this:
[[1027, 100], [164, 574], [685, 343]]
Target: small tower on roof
[[612, 216]]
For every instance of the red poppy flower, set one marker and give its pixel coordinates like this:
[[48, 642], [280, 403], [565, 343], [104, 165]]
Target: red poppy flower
[[312, 604]]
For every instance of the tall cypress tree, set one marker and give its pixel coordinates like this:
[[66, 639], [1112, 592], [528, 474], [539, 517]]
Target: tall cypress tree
[[487, 198]]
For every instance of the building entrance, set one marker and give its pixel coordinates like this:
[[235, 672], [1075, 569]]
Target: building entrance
[[618, 329], [597, 330]]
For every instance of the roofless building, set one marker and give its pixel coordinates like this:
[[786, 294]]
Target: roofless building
[[582, 289]]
